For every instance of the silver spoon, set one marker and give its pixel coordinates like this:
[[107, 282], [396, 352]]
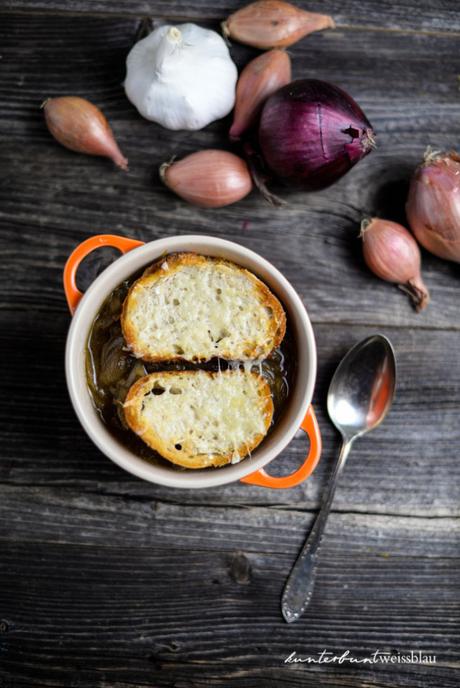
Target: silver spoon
[[359, 397]]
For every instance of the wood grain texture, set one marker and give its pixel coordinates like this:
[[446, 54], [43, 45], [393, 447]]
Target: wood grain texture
[[428, 16], [109, 582], [195, 596]]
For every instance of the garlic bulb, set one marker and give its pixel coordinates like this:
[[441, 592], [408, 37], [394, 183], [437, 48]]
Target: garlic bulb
[[181, 77]]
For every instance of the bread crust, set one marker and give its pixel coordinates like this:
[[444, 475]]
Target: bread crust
[[175, 262], [184, 457]]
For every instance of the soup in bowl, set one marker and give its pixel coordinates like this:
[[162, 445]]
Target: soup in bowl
[[107, 368]]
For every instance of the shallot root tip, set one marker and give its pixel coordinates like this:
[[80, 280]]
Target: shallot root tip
[[430, 155], [365, 222], [43, 105], [270, 197], [418, 294], [162, 171], [164, 168], [121, 162], [261, 185]]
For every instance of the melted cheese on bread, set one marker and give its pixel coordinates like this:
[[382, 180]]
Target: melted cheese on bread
[[197, 418], [196, 308]]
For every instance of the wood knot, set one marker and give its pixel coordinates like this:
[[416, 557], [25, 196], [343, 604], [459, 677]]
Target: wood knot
[[240, 568]]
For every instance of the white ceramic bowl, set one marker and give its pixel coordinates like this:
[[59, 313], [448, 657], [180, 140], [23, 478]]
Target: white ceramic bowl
[[298, 412]]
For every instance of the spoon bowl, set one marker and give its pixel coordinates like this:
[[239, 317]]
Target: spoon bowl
[[363, 386]]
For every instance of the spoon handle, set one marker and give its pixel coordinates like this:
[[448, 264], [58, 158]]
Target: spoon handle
[[299, 586]]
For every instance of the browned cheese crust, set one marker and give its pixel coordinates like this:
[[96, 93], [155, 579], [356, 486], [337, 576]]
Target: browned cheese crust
[[185, 457], [177, 261]]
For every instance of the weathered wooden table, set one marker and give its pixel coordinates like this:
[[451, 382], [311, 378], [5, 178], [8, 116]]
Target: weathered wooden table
[[108, 581]]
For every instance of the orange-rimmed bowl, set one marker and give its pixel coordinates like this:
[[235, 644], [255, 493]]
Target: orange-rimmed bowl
[[298, 413]]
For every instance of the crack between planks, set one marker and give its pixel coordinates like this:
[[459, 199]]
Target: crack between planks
[[280, 506], [159, 547]]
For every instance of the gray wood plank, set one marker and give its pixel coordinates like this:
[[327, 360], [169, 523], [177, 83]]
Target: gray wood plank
[[427, 16], [195, 594], [65, 516]]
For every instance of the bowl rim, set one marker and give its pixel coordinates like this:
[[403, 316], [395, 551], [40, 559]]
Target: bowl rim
[[84, 315]]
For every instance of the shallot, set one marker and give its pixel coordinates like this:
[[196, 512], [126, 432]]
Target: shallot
[[259, 79], [80, 126], [209, 178], [273, 24], [433, 205], [392, 253]]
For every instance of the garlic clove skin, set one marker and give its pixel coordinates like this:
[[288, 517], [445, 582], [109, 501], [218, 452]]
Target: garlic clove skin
[[80, 126], [273, 24], [208, 179], [259, 79], [181, 77], [391, 252], [433, 204]]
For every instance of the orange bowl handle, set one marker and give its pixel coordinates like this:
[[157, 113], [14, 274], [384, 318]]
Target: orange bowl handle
[[260, 477], [72, 294]]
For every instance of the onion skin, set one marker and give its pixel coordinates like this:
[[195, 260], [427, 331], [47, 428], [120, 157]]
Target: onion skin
[[312, 132], [392, 253], [433, 204], [80, 126], [273, 24], [259, 79], [208, 179]]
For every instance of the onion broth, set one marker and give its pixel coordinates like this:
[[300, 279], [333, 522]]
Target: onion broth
[[111, 370]]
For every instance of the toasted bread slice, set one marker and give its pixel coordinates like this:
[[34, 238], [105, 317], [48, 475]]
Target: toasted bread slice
[[196, 418], [196, 308]]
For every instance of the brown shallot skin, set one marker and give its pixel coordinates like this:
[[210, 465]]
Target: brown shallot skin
[[269, 24], [259, 79], [433, 204], [80, 126], [208, 179], [392, 253]]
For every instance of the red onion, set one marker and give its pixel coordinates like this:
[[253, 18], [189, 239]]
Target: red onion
[[311, 133], [392, 253], [433, 205]]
